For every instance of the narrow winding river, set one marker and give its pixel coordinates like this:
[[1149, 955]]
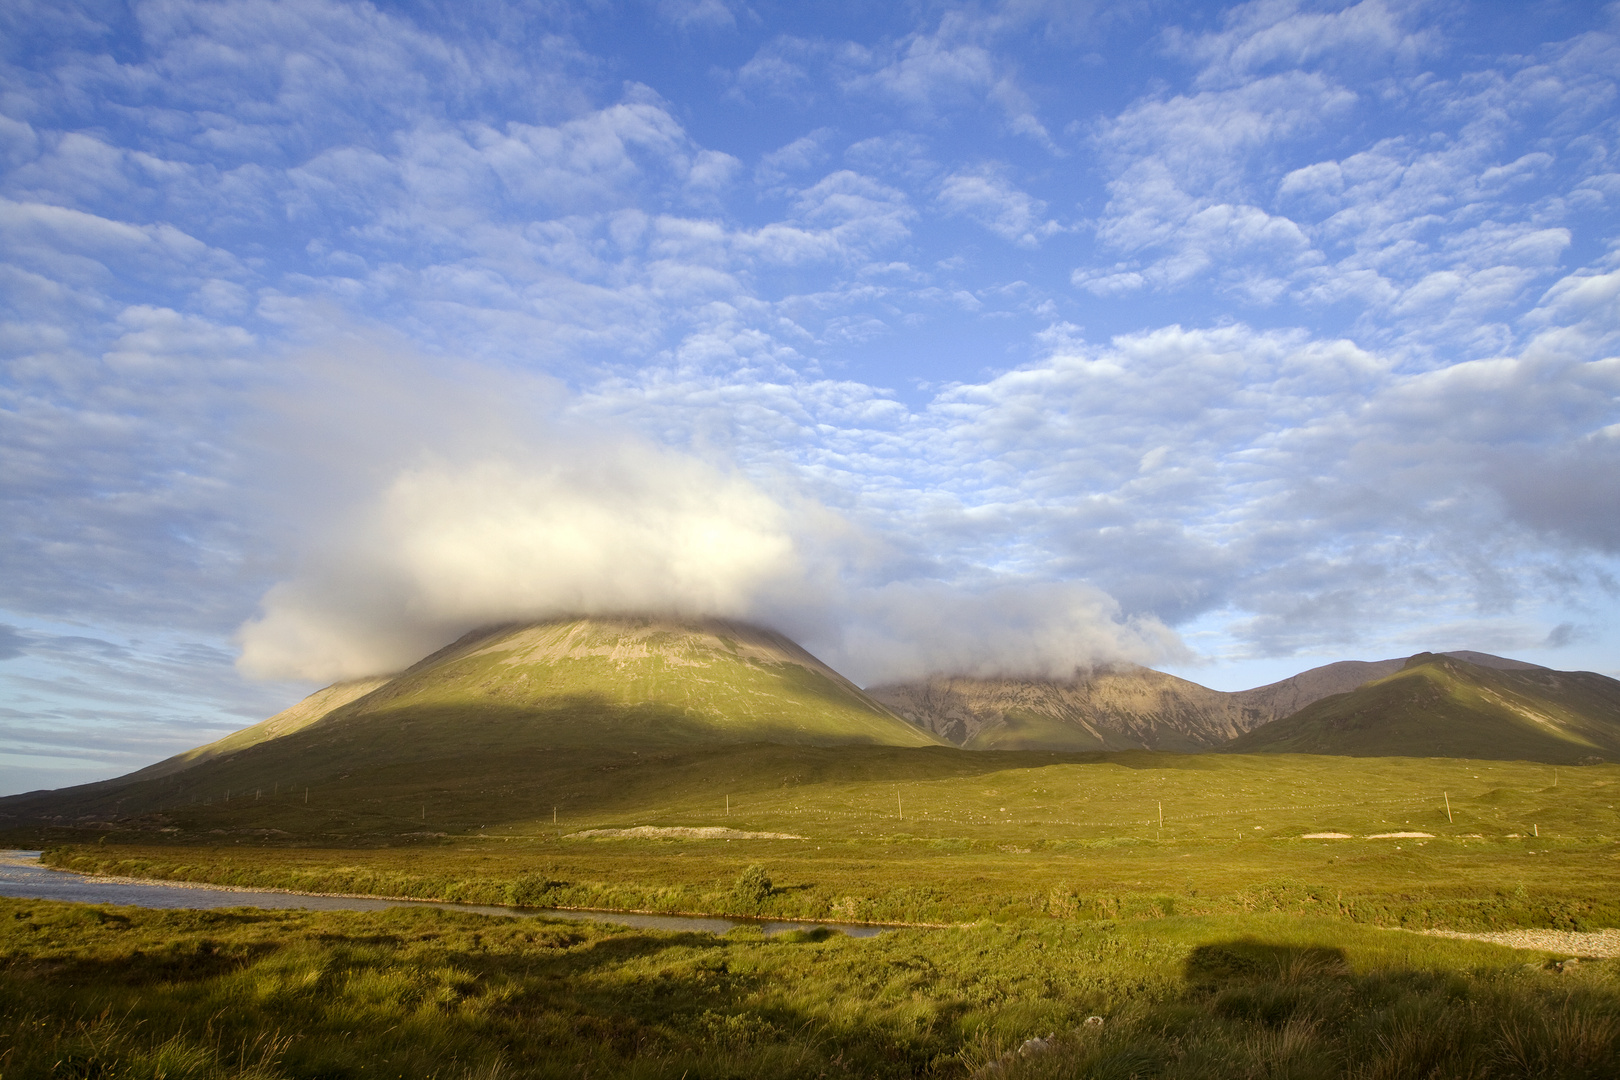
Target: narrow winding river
[[22, 876]]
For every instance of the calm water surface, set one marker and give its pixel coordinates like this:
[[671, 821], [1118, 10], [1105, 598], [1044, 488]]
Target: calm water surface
[[22, 876]]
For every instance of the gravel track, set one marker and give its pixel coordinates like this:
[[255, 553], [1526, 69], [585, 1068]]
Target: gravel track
[[1601, 943]]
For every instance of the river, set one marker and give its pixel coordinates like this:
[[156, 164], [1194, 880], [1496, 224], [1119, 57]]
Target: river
[[22, 876]]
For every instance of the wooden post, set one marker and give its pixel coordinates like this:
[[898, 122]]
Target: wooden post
[[1448, 807], [1537, 830], [900, 805], [728, 805]]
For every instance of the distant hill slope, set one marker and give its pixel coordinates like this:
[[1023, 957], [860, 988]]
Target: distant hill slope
[[1125, 708], [510, 693], [1276, 700], [1443, 706], [1122, 708]]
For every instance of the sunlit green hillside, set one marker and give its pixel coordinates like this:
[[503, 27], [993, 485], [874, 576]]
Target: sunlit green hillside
[[1441, 706], [609, 681]]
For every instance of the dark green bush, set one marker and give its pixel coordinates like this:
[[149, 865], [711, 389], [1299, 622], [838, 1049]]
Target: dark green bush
[[752, 887], [531, 890]]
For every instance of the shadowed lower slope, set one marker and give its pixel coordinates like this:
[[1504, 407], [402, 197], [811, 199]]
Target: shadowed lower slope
[[1442, 706]]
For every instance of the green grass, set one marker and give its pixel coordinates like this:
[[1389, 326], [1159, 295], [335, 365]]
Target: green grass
[[983, 836], [495, 783], [1221, 943], [110, 992], [1441, 884]]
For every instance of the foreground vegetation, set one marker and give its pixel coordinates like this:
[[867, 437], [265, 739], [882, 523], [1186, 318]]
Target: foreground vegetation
[[1443, 884], [1230, 938], [116, 992]]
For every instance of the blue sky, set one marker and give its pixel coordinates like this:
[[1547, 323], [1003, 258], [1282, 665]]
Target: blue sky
[[996, 337]]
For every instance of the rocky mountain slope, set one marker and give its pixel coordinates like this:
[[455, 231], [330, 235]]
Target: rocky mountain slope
[[1123, 708], [1114, 709]]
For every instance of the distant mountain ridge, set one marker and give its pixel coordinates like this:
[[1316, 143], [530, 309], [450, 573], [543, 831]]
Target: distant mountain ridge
[[1124, 707], [525, 700]]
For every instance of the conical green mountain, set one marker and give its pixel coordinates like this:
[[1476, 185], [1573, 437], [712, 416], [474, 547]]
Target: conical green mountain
[[646, 680], [589, 682], [507, 700], [1445, 706]]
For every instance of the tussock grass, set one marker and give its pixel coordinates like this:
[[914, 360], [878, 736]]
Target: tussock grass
[[90, 991], [1306, 1013]]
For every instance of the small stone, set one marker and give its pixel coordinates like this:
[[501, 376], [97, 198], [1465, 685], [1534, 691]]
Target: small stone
[[1035, 1046], [1569, 965], [1093, 1021]]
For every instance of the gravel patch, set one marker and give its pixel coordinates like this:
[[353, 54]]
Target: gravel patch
[[1601, 943], [653, 832]]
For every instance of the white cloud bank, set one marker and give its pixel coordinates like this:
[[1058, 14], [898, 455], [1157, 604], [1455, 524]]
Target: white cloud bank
[[591, 528], [908, 630], [453, 509]]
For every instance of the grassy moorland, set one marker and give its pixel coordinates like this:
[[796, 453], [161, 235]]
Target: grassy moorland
[[1231, 940], [861, 793], [933, 836], [109, 992]]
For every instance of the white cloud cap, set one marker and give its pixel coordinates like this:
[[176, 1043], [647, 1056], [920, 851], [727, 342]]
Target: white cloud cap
[[475, 500], [590, 528]]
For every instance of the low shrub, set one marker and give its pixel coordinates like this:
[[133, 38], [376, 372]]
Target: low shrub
[[752, 887]]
